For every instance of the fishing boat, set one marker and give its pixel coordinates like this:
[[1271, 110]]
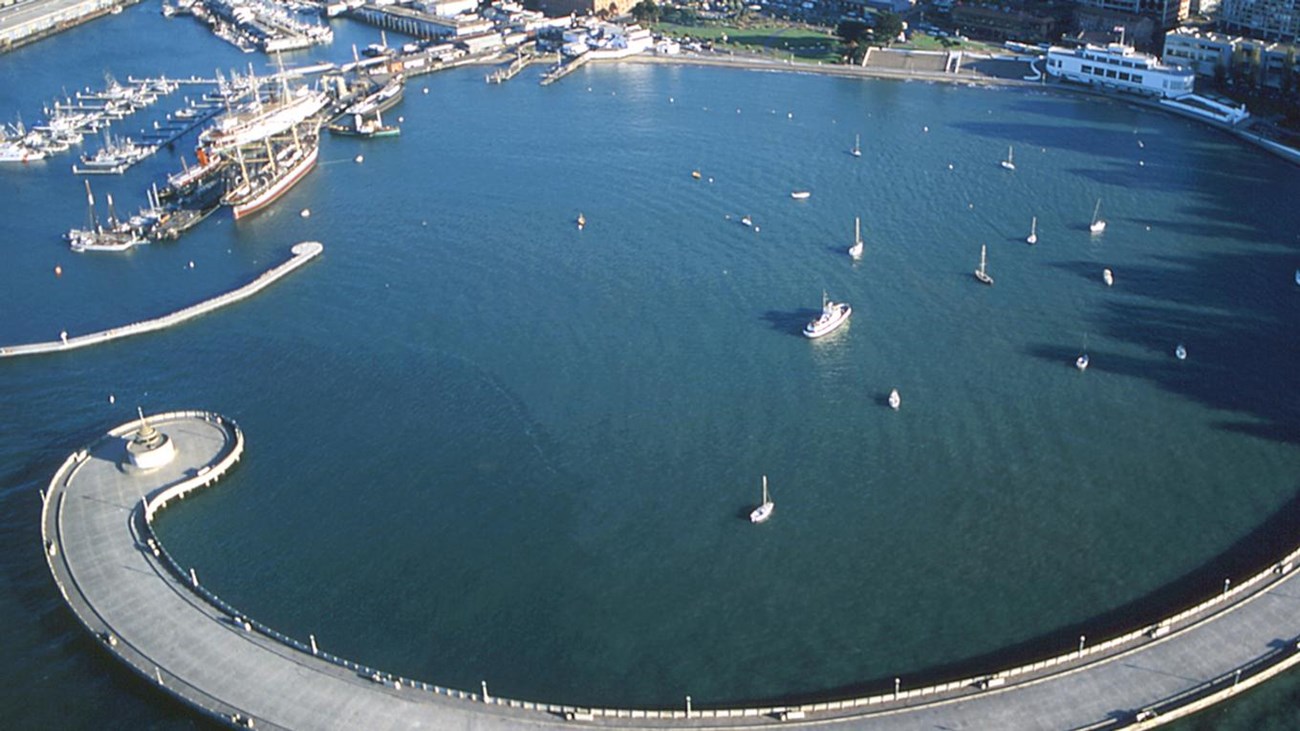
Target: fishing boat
[[982, 273], [1010, 162], [367, 128], [763, 511], [1097, 225], [1108, 277], [895, 400], [833, 315], [116, 236], [1180, 352], [1032, 238], [855, 250], [800, 195], [857, 146]]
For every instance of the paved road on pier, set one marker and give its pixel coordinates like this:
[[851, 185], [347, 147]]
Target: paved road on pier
[[98, 545]]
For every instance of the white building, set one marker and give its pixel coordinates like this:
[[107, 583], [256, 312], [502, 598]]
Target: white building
[[1120, 67]]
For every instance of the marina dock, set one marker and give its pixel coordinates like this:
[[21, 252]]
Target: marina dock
[[302, 253], [157, 617], [560, 70]]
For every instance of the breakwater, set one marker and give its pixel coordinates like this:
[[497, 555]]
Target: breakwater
[[302, 253], [122, 584]]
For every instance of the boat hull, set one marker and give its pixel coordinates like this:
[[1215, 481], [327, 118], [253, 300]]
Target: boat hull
[[272, 192], [819, 328]]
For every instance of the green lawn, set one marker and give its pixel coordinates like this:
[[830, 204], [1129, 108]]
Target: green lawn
[[805, 44]]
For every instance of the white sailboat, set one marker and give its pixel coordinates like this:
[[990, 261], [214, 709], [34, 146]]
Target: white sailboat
[[981, 273], [857, 146], [582, 221], [895, 400], [764, 511], [1097, 225], [1082, 361], [1180, 352], [1108, 277], [1032, 238], [1010, 162], [855, 250]]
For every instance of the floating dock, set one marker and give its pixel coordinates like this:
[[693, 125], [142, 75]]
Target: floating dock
[[302, 253]]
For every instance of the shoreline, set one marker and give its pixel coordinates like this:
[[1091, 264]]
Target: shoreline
[[753, 63]]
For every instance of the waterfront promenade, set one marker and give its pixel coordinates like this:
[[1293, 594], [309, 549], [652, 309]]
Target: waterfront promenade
[[302, 253], [160, 620]]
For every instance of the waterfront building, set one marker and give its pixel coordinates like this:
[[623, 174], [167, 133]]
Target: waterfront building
[[1272, 20], [1029, 21], [24, 22], [1226, 56], [1164, 13], [558, 8], [1119, 67]]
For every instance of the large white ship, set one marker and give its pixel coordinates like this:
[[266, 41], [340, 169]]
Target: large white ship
[[259, 120], [1118, 66]]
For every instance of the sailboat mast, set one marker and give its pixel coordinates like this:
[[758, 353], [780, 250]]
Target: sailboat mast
[[765, 498], [90, 207], [857, 230]]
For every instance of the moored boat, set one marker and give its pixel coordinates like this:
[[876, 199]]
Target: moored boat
[[832, 316], [982, 273], [256, 193]]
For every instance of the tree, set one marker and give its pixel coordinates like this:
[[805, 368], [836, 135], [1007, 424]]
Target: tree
[[888, 26], [646, 11]]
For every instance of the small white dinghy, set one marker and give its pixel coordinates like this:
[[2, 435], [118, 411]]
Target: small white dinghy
[[895, 400]]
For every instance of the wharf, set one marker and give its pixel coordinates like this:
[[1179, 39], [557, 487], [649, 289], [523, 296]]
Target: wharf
[[520, 62], [31, 20], [559, 71], [156, 616], [302, 253]]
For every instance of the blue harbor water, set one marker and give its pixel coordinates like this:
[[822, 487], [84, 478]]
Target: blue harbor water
[[483, 444]]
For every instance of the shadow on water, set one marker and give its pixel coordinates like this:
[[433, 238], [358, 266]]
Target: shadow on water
[[1236, 314], [790, 322], [1255, 552]]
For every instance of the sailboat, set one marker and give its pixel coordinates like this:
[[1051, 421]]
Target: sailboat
[[857, 146], [1108, 277], [1082, 361], [1032, 238], [980, 273], [1009, 163], [855, 250], [582, 221], [1097, 225], [764, 511], [1180, 352], [895, 400]]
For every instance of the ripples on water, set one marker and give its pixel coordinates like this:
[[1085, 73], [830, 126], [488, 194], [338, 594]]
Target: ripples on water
[[483, 444]]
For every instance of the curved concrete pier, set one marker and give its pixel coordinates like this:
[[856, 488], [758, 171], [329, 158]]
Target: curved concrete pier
[[157, 617], [302, 253]]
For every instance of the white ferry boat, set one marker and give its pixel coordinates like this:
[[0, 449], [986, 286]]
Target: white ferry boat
[[833, 315], [1118, 66]]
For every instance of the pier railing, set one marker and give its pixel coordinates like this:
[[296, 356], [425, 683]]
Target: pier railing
[[1158, 631]]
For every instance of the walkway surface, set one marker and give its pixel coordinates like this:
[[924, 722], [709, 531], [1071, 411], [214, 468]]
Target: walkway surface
[[302, 253], [121, 585]]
